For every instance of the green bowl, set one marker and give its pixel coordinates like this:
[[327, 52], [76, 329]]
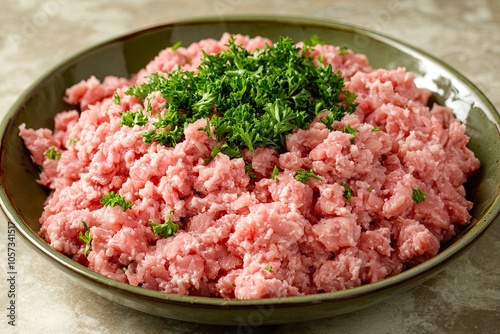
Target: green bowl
[[22, 198]]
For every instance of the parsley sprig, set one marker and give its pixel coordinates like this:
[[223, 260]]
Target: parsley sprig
[[131, 118], [347, 191], [304, 175], [251, 99], [114, 199], [167, 229], [86, 238], [52, 153], [418, 196]]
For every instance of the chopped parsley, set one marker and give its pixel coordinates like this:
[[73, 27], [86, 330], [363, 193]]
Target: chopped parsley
[[418, 195], [347, 191], [248, 170], [116, 98], [114, 199], [351, 131], [314, 40], [86, 238], [250, 99], [52, 153], [176, 45], [73, 141], [303, 175], [343, 51], [167, 229], [375, 129], [274, 174], [269, 268], [131, 118]]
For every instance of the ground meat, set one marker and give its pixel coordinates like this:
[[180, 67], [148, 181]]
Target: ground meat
[[255, 236]]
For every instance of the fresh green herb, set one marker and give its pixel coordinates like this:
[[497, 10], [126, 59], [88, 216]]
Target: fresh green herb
[[149, 107], [350, 97], [73, 140], [375, 129], [418, 195], [250, 100], [163, 137], [303, 175], [167, 229], [343, 51], [168, 138], [131, 118], [215, 151], [347, 191], [124, 269], [51, 153], [147, 136], [248, 169], [274, 174], [116, 98], [176, 45], [269, 268], [351, 131], [114, 199], [86, 238], [314, 40]]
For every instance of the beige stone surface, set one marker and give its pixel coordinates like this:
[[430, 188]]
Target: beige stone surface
[[37, 34]]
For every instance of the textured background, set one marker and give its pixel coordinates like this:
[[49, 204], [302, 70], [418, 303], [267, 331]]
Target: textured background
[[36, 35]]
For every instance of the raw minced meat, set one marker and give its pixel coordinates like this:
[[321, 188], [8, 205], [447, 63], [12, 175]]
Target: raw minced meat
[[248, 238]]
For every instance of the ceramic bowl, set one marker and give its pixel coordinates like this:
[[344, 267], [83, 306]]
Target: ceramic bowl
[[22, 198]]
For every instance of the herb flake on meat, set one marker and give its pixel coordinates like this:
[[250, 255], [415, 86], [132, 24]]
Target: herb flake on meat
[[52, 153], [303, 175], [114, 199], [86, 238], [131, 118], [167, 229], [418, 196], [347, 191], [274, 174]]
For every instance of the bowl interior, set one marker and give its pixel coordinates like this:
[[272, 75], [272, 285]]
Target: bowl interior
[[22, 198]]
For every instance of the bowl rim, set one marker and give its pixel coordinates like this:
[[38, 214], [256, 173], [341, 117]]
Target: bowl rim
[[475, 229]]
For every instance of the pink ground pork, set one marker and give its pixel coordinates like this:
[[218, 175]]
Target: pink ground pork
[[256, 238]]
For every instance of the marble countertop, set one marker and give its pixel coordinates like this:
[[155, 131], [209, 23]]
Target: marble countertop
[[36, 34]]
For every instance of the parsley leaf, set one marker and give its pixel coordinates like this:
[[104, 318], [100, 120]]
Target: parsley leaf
[[418, 195], [131, 118], [52, 153], [274, 174], [305, 175], [347, 191], [248, 170], [114, 199], [176, 45], [167, 229], [351, 131], [86, 238], [314, 40], [269, 268], [343, 51], [116, 98]]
